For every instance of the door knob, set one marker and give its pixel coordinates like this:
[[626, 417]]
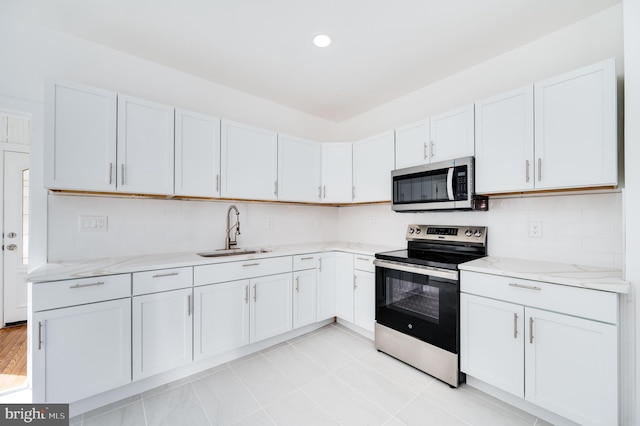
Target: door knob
[[12, 247]]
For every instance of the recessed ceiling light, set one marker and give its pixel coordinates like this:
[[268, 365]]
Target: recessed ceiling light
[[322, 40]]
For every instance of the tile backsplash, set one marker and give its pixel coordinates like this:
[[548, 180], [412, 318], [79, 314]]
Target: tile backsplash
[[576, 228]]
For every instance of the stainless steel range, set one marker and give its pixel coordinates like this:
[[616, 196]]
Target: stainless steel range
[[418, 297]]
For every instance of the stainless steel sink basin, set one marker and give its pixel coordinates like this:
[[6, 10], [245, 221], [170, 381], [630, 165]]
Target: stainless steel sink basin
[[232, 252]]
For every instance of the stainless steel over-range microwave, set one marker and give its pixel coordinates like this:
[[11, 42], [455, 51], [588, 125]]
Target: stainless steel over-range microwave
[[445, 185]]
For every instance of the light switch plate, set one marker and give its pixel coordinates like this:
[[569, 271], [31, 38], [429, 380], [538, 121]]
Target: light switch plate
[[92, 223]]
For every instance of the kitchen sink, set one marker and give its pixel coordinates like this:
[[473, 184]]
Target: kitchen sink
[[231, 252]]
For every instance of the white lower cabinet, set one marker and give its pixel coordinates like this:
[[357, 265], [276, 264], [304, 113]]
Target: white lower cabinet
[[81, 351], [326, 286], [221, 318], [162, 332], [564, 361], [304, 297], [271, 306], [344, 286], [356, 290]]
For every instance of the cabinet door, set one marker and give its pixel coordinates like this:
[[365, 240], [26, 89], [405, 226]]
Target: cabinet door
[[337, 172], [249, 162], [575, 128], [504, 142], [373, 160], [145, 146], [80, 138], [271, 306], [571, 366], [197, 162], [344, 286], [162, 332], [326, 286], [491, 342], [299, 169], [304, 297], [81, 351], [364, 306], [452, 134], [221, 318], [413, 146]]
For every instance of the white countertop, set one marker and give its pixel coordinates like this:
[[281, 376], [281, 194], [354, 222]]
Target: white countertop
[[592, 277], [127, 264]]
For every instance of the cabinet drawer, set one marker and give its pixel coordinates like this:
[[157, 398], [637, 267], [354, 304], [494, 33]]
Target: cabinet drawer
[[59, 294], [305, 261], [363, 262], [162, 280], [231, 271], [580, 302]]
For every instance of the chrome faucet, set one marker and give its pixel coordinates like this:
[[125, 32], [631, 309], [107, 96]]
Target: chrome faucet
[[229, 242]]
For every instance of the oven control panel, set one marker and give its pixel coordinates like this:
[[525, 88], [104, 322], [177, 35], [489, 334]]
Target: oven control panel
[[475, 234]]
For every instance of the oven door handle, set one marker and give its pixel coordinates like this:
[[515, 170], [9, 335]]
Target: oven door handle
[[417, 269], [450, 193]]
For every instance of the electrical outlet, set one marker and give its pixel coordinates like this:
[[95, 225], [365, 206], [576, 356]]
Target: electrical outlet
[[316, 222], [269, 223], [535, 229], [92, 223]]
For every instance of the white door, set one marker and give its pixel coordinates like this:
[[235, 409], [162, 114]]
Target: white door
[[299, 170], [373, 160], [364, 299], [452, 134], [336, 172], [271, 306], [16, 231], [413, 146]]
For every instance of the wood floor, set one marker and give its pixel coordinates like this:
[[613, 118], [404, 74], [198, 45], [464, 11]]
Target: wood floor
[[13, 357]]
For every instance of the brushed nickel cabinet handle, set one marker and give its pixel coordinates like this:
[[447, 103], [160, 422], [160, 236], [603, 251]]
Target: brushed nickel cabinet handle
[[122, 174], [431, 148], [362, 258], [99, 283], [526, 287], [425, 151], [306, 258], [539, 169], [297, 284], [355, 282], [246, 294], [320, 264], [217, 183], [324, 191], [275, 187], [110, 173], [515, 325], [527, 172], [39, 335], [169, 274], [531, 330], [188, 305], [255, 293], [320, 192], [251, 264], [353, 192]]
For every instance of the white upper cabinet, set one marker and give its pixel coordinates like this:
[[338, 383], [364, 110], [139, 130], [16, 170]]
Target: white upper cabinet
[[337, 172], [80, 148], [373, 161], [299, 169], [452, 134], [413, 146], [197, 154], [249, 162], [576, 128], [145, 146], [504, 142]]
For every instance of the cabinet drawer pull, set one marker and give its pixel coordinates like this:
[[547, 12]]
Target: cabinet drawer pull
[[363, 259], [217, 183], [515, 325], [169, 274], [531, 330], [188, 305], [110, 173], [246, 294], [539, 169], [324, 191], [87, 285], [528, 287], [306, 258], [251, 264], [122, 174], [527, 172], [39, 335]]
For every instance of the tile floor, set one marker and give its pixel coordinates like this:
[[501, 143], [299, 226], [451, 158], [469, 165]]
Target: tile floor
[[328, 377]]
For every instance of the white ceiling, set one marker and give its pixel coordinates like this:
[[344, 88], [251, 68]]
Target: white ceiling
[[381, 50]]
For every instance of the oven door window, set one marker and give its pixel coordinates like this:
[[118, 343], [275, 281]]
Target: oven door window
[[422, 306]]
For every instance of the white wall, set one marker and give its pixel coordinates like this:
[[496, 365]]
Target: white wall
[[582, 229], [138, 226], [585, 42], [630, 347]]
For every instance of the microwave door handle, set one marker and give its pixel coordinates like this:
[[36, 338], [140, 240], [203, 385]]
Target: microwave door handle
[[450, 184]]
